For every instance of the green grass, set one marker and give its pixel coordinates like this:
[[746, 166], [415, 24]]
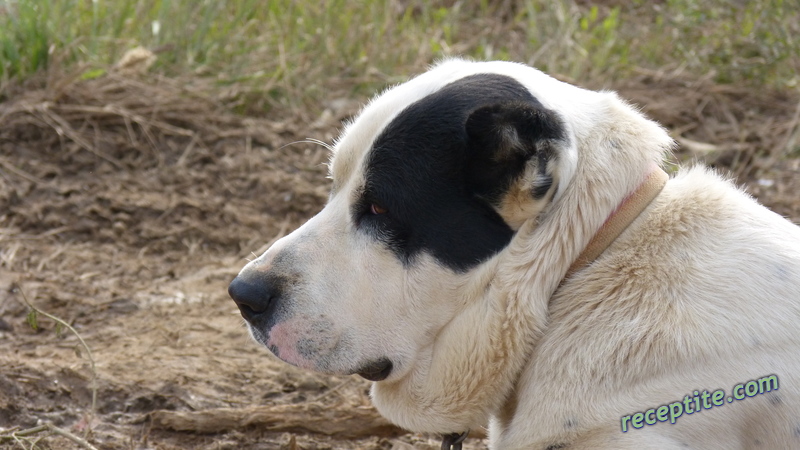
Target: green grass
[[289, 51]]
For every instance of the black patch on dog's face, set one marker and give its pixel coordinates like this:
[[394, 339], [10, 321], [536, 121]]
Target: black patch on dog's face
[[436, 170]]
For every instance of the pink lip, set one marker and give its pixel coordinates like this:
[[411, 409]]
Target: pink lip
[[282, 340]]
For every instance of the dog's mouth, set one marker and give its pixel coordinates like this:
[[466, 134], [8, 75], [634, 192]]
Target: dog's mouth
[[376, 370]]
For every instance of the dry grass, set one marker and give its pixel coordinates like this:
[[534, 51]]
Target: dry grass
[[730, 127], [292, 53]]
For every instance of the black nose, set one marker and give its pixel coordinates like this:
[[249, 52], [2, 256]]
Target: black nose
[[253, 295]]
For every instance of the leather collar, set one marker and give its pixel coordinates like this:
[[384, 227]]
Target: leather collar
[[621, 218]]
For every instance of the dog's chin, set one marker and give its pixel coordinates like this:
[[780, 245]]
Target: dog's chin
[[377, 370]]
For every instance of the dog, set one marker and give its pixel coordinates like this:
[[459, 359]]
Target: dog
[[503, 249]]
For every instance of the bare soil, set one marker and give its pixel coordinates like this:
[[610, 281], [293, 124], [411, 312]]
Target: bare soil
[[128, 203]]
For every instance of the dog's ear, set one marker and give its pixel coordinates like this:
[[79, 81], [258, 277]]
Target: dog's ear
[[505, 141]]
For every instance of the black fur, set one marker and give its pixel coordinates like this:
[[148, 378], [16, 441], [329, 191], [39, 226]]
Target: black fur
[[442, 163]]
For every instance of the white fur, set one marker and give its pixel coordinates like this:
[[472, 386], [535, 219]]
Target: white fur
[[702, 291]]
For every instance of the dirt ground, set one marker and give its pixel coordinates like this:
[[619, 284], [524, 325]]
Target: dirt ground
[[127, 204]]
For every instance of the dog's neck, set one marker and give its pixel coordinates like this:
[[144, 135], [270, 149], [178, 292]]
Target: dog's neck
[[615, 224], [619, 219]]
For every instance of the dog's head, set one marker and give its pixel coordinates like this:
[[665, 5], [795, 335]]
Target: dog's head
[[430, 184]]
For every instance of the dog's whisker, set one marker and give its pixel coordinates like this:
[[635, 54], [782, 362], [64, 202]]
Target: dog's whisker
[[308, 141], [322, 143]]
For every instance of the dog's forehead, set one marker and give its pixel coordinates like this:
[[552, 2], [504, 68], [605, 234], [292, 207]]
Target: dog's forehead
[[359, 135]]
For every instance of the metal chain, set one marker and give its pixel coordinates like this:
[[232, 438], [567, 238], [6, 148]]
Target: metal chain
[[453, 441]]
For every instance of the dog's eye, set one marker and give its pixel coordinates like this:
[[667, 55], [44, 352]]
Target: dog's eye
[[377, 209]]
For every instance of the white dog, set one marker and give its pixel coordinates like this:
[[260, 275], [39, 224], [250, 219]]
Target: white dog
[[502, 248]]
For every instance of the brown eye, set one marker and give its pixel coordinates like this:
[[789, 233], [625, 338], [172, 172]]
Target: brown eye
[[377, 209]]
